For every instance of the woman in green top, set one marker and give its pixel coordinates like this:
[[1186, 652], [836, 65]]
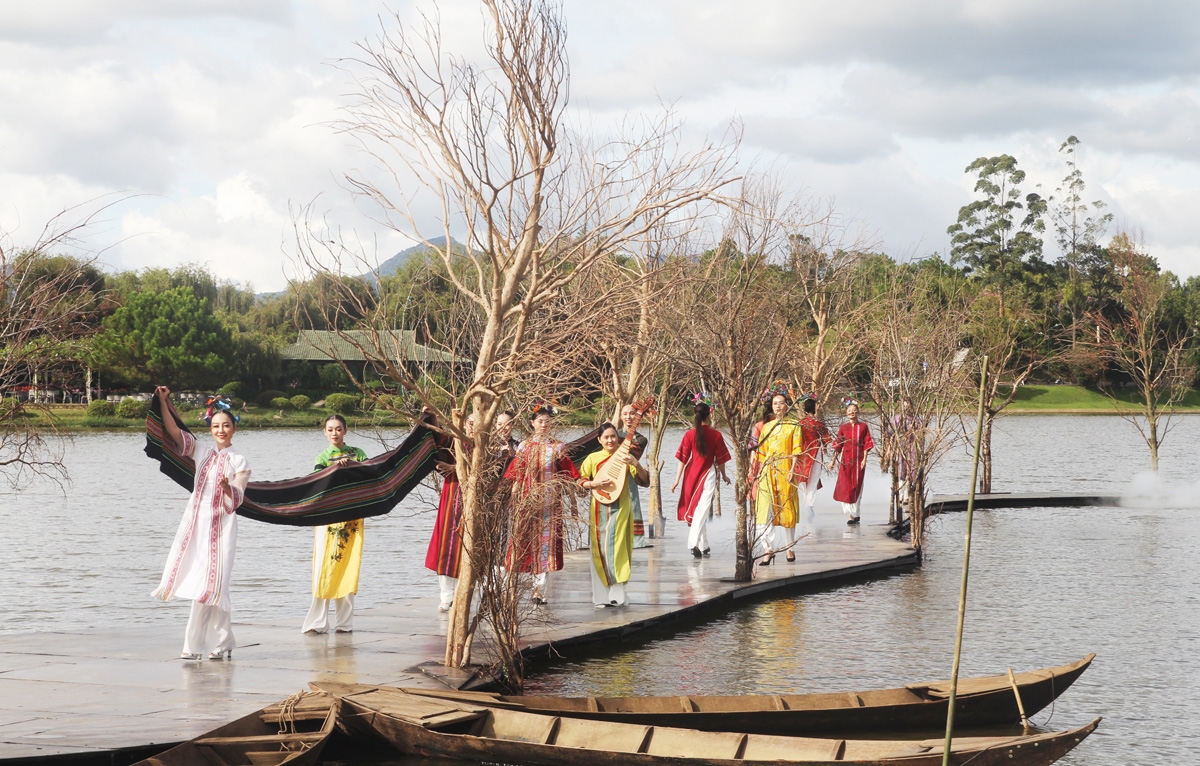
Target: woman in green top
[[337, 548]]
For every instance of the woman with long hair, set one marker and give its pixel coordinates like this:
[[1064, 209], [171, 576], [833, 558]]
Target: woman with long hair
[[539, 470], [610, 525], [850, 446], [702, 456], [200, 563], [337, 548]]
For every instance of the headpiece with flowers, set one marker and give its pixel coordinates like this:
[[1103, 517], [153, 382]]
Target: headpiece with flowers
[[807, 396], [705, 398], [546, 407], [217, 404], [849, 401], [779, 388]]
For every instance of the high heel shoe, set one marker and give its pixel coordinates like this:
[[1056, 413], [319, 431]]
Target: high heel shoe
[[189, 656], [766, 562], [791, 557], [223, 654]]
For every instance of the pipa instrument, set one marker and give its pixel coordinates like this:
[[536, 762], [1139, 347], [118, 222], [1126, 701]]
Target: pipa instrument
[[614, 472]]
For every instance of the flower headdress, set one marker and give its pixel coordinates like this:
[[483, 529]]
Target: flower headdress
[[547, 407], [217, 404], [779, 388], [850, 400], [705, 398], [807, 396]]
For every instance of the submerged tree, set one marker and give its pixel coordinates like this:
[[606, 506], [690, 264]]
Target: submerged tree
[[538, 207], [1146, 343]]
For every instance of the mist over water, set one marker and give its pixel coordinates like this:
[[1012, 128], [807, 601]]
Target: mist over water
[[1047, 585]]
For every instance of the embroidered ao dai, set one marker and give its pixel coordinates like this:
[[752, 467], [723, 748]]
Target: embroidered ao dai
[[539, 470], [610, 531], [776, 501], [200, 564], [337, 559]]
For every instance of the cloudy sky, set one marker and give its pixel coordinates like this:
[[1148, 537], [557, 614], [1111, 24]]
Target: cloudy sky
[[216, 112]]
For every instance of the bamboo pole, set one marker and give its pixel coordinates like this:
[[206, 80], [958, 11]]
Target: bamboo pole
[[1020, 705], [962, 596]]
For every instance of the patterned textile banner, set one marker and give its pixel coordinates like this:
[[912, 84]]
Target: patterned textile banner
[[330, 496]]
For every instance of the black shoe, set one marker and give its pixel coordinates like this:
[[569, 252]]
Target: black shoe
[[767, 561], [853, 521], [696, 553], [707, 552]]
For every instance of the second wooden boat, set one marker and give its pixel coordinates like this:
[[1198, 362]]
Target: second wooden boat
[[292, 732], [422, 725], [982, 701]]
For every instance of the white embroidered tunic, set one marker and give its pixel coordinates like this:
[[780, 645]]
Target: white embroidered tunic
[[201, 559]]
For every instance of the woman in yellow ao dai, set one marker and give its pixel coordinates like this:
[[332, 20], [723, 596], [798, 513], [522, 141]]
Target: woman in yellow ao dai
[[776, 500]]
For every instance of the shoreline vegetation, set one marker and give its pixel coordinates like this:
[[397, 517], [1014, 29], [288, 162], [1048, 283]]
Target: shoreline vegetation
[[1030, 400]]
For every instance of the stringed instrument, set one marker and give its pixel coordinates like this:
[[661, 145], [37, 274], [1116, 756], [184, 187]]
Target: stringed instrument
[[614, 471]]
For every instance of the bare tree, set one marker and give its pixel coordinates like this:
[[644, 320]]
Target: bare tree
[[919, 382], [49, 304], [536, 207], [1145, 344]]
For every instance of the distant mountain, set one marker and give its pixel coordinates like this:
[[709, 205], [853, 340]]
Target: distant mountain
[[388, 267]]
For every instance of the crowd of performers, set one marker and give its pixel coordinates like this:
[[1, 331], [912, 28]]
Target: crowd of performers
[[789, 454]]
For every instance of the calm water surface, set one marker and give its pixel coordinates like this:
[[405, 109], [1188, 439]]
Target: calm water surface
[[1047, 585]]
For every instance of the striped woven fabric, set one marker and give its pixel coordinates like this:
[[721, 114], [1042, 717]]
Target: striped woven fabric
[[330, 496]]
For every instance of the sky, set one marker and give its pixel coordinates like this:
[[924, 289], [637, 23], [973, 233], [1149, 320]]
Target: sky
[[210, 122]]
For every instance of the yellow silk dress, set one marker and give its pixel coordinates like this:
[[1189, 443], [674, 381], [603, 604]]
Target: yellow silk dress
[[776, 500]]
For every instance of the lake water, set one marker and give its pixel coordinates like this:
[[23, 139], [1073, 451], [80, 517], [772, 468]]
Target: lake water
[[1047, 585]]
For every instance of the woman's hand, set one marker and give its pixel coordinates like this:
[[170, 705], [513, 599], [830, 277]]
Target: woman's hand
[[162, 392], [343, 462]]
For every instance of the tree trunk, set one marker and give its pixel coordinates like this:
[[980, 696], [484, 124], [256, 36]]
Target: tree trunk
[[742, 541], [1152, 430], [87, 395], [985, 454], [657, 524]]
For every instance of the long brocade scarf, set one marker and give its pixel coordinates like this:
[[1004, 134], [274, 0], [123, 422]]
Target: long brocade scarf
[[333, 495]]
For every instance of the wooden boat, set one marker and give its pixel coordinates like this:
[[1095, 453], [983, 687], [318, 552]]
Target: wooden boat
[[307, 721], [983, 701], [422, 725]]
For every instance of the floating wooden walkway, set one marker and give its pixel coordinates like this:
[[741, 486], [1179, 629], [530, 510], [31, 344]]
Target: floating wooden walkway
[[82, 696], [950, 503]]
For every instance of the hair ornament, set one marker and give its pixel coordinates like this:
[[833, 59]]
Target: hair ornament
[[811, 395], [705, 398], [779, 388], [217, 404], [546, 407], [850, 401]]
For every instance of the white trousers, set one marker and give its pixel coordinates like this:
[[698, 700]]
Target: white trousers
[[808, 491], [608, 594], [851, 509], [763, 535], [209, 630], [317, 619], [446, 588], [784, 536], [698, 531]]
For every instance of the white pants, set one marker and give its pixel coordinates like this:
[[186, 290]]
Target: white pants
[[446, 588], [698, 531], [784, 536], [808, 493], [209, 630], [607, 594], [317, 619], [763, 535], [851, 509]]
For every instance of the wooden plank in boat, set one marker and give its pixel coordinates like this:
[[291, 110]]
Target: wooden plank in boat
[[685, 743], [263, 739], [941, 690], [600, 735], [537, 729], [761, 747]]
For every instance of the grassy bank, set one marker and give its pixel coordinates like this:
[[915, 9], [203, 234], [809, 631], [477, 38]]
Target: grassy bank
[[1077, 400]]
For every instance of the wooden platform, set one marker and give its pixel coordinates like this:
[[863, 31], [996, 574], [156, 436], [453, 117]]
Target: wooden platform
[[83, 695], [951, 503]]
